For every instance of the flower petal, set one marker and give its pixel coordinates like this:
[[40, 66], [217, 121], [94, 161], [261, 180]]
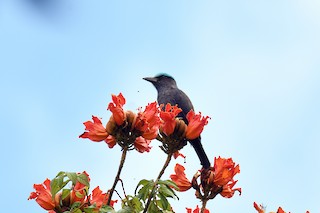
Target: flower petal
[[195, 125], [95, 131], [180, 178]]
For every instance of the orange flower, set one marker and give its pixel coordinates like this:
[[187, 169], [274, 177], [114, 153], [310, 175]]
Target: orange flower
[[221, 175], [178, 154], [180, 178], [147, 122], [111, 141], [118, 113], [142, 145], [151, 114], [280, 210], [99, 199], [79, 192], [95, 131], [196, 124], [168, 116], [228, 191], [224, 170], [216, 180], [151, 133], [43, 195], [259, 208], [196, 210]]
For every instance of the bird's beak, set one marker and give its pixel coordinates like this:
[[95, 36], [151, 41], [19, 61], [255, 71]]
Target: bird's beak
[[150, 79]]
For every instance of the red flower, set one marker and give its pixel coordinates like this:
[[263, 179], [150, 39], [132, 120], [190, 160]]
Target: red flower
[[224, 170], [79, 192], [43, 195], [118, 113], [196, 210], [259, 208], [168, 116], [111, 141], [228, 191], [95, 130], [196, 124], [280, 210], [216, 180], [178, 154], [99, 199], [180, 178], [151, 133], [221, 175], [147, 122], [142, 145]]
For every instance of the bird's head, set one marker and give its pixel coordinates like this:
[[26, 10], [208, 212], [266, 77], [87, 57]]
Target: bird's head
[[162, 81]]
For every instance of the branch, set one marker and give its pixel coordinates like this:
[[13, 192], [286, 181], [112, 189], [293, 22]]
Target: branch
[[156, 182], [123, 157]]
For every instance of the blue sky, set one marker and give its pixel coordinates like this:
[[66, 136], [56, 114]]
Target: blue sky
[[253, 66]]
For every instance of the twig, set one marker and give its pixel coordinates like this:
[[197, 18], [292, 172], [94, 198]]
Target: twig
[[204, 203], [123, 157], [156, 182]]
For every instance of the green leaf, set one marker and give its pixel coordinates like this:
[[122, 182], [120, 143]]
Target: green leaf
[[79, 194], [167, 191], [72, 176], [146, 189], [153, 208], [76, 205], [106, 209], [61, 173], [125, 209], [89, 209], [83, 178], [169, 183], [64, 183], [144, 192], [65, 193], [56, 185], [132, 204], [163, 202], [143, 183], [76, 211]]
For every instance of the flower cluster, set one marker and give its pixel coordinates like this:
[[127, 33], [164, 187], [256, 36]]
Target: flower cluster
[[53, 197], [125, 128], [262, 209], [174, 132], [129, 129], [215, 180]]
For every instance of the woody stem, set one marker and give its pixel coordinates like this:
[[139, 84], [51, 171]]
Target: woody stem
[[123, 157], [156, 181], [204, 203]]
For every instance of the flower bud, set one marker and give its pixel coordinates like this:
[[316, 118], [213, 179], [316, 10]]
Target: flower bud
[[111, 125], [180, 128], [131, 118], [66, 200]]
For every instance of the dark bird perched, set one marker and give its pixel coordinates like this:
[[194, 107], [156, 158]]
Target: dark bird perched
[[168, 92]]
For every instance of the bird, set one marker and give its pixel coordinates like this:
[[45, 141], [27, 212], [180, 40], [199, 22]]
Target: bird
[[168, 92]]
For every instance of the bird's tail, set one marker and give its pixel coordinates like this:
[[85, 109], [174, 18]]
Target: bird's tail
[[196, 143]]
